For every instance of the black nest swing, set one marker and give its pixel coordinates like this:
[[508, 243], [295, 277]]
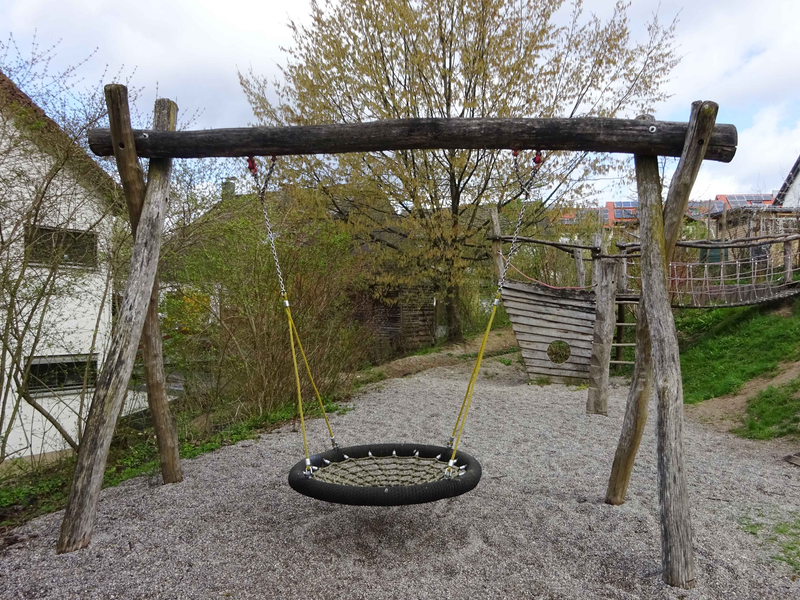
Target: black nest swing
[[383, 474]]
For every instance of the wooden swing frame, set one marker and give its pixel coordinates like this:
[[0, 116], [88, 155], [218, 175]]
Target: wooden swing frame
[[645, 138]]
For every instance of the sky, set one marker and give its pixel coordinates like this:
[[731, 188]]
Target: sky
[[739, 53]]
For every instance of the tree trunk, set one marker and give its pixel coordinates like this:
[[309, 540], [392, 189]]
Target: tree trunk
[[157, 401], [112, 384], [454, 331]]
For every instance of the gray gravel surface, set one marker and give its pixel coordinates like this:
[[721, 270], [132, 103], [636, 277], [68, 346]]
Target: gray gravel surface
[[536, 526]]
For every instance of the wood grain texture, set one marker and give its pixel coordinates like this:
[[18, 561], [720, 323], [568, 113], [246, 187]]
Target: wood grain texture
[[124, 150], [580, 270], [592, 134], [165, 117], [540, 316], [605, 270], [112, 383], [701, 118], [677, 553], [701, 125]]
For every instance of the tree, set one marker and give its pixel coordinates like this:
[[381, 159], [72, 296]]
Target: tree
[[54, 247], [363, 60]]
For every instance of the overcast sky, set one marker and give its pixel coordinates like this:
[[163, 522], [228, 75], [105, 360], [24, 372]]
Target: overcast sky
[[743, 54]]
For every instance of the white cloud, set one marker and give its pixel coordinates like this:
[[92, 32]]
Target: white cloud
[[739, 53], [766, 152]]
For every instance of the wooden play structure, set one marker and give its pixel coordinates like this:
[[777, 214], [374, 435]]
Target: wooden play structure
[[657, 349], [743, 272]]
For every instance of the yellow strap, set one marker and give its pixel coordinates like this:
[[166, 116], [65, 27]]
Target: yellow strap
[[308, 370], [462, 414], [297, 380]]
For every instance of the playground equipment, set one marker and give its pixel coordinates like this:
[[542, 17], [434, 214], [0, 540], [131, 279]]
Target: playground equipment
[[737, 272], [646, 138]]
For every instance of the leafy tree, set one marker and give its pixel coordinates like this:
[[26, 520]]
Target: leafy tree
[[363, 60], [56, 244]]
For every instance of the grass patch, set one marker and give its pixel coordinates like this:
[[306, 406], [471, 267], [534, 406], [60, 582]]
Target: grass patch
[[782, 537], [367, 376], [724, 348], [541, 381], [41, 490], [486, 354], [773, 412], [505, 361]]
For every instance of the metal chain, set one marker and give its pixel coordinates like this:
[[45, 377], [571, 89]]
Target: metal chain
[[271, 235], [514, 245]]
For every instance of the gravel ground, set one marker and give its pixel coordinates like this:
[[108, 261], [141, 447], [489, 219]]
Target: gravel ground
[[536, 526]]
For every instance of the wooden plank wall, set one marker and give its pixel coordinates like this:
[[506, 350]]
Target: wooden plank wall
[[539, 316]]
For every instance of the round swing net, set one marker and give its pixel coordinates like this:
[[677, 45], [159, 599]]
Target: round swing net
[[384, 474]]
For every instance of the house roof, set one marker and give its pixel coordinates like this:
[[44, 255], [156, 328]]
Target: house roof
[[790, 179], [52, 139]]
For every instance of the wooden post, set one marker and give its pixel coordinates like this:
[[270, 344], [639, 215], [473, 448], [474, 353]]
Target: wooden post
[[580, 270], [787, 262], [497, 244], [622, 287], [165, 119], [676, 528], [597, 250], [701, 122], [604, 322], [112, 383], [724, 222], [677, 553]]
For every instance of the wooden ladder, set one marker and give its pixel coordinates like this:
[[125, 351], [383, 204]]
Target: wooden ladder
[[621, 324]]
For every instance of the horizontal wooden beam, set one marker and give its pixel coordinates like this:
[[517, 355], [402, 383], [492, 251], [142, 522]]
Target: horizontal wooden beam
[[566, 247], [658, 138]]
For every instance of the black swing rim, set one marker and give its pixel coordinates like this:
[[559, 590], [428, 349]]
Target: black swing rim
[[447, 487]]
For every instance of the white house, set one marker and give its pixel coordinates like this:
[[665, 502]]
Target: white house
[[56, 219], [789, 194]]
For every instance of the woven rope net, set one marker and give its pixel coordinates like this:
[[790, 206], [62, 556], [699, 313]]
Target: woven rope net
[[383, 471]]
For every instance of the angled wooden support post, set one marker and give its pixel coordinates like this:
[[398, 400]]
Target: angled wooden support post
[[604, 322], [112, 383], [497, 244], [702, 121], [164, 119]]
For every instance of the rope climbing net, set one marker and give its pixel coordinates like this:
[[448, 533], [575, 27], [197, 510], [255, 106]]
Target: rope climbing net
[[760, 273]]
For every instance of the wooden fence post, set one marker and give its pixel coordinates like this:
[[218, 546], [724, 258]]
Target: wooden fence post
[[112, 383], [787, 262], [580, 269], [604, 325]]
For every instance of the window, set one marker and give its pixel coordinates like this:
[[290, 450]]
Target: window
[[49, 245], [64, 372]]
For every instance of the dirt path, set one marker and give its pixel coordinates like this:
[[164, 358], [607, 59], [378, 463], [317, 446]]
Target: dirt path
[[450, 355]]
